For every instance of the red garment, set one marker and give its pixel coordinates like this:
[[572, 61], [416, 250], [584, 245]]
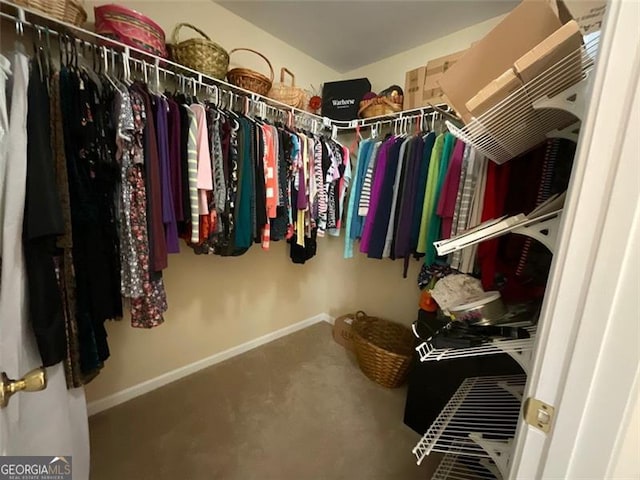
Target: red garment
[[449, 193], [494, 206]]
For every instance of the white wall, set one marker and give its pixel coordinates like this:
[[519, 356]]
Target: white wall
[[217, 303], [391, 70], [229, 31]]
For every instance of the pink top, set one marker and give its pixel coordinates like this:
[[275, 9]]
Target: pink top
[[270, 172], [449, 193], [205, 174]]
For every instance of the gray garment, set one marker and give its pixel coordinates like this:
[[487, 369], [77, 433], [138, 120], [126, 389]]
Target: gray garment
[[469, 254], [455, 228], [219, 184], [468, 181], [386, 252], [192, 169]]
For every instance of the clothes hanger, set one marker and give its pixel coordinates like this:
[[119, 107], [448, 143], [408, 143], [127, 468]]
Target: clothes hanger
[[37, 54], [82, 63], [126, 65], [105, 69], [233, 100], [212, 100], [61, 52], [73, 54], [19, 46]]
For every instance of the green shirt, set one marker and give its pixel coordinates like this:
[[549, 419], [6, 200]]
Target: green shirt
[[435, 222], [428, 206]]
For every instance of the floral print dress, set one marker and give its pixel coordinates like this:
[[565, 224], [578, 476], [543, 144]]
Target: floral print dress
[[147, 294]]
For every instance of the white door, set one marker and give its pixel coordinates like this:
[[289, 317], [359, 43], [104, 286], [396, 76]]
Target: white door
[[51, 422], [586, 361]]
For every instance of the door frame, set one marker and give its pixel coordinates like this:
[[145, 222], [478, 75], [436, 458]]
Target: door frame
[[586, 357]]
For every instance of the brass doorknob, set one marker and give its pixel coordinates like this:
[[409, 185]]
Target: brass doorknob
[[33, 381]]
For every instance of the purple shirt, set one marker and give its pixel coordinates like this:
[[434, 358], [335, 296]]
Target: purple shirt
[[376, 188], [407, 198], [168, 211], [175, 159]]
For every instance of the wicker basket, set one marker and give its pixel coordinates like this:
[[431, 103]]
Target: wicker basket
[[384, 349], [249, 79], [131, 28], [342, 331], [288, 94], [70, 11], [201, 54], [379, 106]]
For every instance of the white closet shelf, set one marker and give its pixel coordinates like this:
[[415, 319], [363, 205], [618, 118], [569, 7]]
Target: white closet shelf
[[479, 421], [519, 349], [454, 466], [43, 22], [542, 224], [546, 106]]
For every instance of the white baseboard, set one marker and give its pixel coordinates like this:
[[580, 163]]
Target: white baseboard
[[166, 378]]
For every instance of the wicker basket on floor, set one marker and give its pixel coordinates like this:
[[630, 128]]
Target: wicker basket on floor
[[384, 349], [70, 11]]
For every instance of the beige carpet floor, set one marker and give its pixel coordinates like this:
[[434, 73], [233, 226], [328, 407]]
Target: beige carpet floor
[[296, 409]]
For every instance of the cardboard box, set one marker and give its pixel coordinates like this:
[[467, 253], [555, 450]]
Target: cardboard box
[[589, 14], [431, 92], [413, 84], [525, 27], [494, 93], [421, 84], [560, 45]]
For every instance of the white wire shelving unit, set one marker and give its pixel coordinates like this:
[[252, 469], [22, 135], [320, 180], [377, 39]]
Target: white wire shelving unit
[[550, 105], [519, 349], [479, 421], [454, 466]]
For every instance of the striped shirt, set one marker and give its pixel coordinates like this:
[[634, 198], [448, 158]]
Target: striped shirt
[[192, 169], [205, 175], [365, 192]]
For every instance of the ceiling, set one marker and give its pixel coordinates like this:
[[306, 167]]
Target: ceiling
[[345, 35]]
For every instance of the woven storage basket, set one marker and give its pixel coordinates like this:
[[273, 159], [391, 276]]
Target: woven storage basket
[[201, 54], [131, 28], [379, 106], [288, 94], [342, 331], [384, 349], [249, 79], [70, 11]]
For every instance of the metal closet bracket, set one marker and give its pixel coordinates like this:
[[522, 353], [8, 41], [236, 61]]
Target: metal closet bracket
[[573, 99], [516, 390], [499, 451], [491, 467], [570, 132], [523, 357], [546, 231]]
